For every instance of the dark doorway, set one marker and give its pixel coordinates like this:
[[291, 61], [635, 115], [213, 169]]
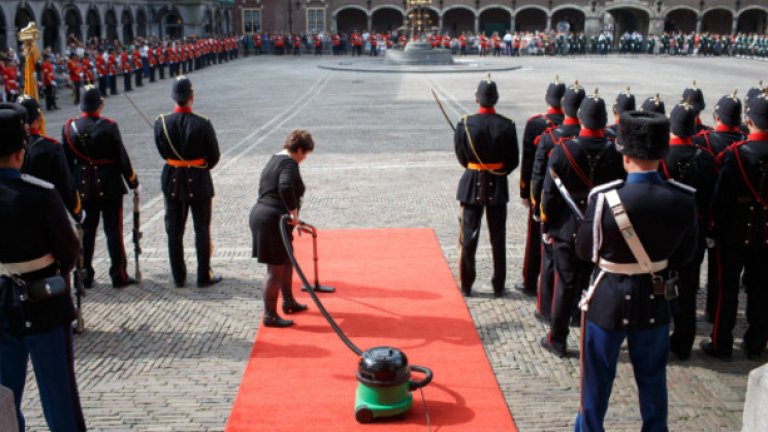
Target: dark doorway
[[208, 28], [23, 16], [3, 30], [386, 20], [717, 21], [530, 20], [94, 24], [350, 20], [110, 22], [141, 23], [629, 20], [458, 20], [173, 26], [495, 20], [127, 20], [51, 25], [680, 20], [568, 20], [73, 24], [752, 21]]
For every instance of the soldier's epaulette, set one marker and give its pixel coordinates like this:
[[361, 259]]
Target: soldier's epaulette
[[108, 120], [681, 186], [47, 138], [505, 117], [605, 186], [36, 181], [202, 116]]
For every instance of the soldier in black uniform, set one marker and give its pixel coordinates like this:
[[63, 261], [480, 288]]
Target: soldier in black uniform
[[534, 127], [727, 118], [625, 101], [45, 159], [632, 251], [547, 141], [740, 217], [99, 163], [695, 97], [655, 105], [581, 163], [753, 91], [690, 165], [486, 145], [187, 142], [39, 242]]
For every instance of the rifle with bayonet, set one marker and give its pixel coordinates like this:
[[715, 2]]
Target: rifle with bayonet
[[137, 234]]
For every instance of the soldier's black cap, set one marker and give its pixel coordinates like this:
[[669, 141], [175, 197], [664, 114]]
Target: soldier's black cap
[[754, 91], [91, 100], [487, 94], [572, 99], [555, 93], [592, 114], [30, 104], [728, 108], [643, 135], [182, 89], [13, 128], [682, 120], [695, 97], [757, 110], [625, 101], [655, 105]]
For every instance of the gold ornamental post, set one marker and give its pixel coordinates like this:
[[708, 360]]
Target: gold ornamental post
[[29, 36]]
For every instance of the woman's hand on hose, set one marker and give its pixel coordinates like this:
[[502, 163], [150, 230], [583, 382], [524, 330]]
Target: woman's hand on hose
[[294, 217]]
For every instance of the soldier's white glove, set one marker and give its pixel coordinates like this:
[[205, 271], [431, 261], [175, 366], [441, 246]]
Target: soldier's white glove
[[547, 239], [82, 216], [711, 243]]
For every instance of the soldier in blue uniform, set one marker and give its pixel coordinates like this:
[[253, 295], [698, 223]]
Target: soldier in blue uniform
[[187, 142], [581, 163], [547, 141], [39, 244], [486, 146], [534, 127], [632, 251], [691, 165], [101, 168], [740, 218]]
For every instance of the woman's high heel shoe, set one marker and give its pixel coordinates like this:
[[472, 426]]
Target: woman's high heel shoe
[[276, 321], [293, 307]]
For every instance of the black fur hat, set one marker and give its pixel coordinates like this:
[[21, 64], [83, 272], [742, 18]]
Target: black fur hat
[[487, 94], [555, 93], [592, 112], [695, 97], [91, 100], [757, 110], [625, 101], [682, 120], [13, 128], [572, 99], [654, 104], [643, 135], [728, 108]]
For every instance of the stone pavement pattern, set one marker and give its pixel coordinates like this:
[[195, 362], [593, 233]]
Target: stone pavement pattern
[[156, 358]]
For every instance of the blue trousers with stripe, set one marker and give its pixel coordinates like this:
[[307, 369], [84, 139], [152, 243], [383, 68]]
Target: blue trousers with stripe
[[648, 351]]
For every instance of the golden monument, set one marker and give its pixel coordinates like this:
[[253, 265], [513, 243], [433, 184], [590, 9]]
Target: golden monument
[[29, 36]]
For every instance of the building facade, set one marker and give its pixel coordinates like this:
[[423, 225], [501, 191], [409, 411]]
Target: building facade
[[455, 16], [115, 19]]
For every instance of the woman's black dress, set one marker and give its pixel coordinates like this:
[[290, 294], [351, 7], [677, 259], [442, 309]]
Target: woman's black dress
[[280, 190]]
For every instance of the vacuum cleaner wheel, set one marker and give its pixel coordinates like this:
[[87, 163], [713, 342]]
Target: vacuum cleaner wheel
[[363, 415]]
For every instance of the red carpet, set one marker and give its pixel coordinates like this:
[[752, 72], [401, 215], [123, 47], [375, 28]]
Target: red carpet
[[393, 288]]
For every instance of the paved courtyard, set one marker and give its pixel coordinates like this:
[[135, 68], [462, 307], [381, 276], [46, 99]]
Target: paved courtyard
[[157, 358]]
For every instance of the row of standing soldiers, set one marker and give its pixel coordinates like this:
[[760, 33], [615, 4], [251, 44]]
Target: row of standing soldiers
[[44, 187], [620, 218]]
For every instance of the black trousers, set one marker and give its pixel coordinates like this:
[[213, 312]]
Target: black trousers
[[572, 277], [127, 81], [547, 281], [175, 221], [712, 283], [139, 75], [112, 211], [732, 261], [471, 216], [162, 70], [532, 260], [103, 85], [50, 97], [151, 73], [113, 84], [681, 341], [76, 92]]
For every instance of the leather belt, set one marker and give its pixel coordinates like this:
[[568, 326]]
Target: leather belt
[[485, 167], [29, 266], [194, 163], [631, 268]]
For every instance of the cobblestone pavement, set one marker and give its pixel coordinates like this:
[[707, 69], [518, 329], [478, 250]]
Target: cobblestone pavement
[[156, 358]]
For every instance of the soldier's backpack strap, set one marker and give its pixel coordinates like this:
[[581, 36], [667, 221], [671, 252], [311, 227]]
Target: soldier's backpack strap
[[575, 165], [71, 124], [750, 186], [628, 230]]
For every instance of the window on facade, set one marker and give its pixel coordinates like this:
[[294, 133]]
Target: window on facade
[[315, 20], [251, 20]]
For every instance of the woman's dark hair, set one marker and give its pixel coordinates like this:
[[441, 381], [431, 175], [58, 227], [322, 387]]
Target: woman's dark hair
[[299, 139]]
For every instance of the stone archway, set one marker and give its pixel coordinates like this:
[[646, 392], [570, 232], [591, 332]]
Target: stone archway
[[141, 23], [110, 24], [23, 17], [386, 19], [752, 21], [171, 24], [628, 19], [717, 21], [568, 20], [495, 19], [680, 20], [208, 26], [350, 20], [458, 20], [3, 31], [93, 22], [73, 23], [217, 23], [530, 20], [127, 20], [51, 22]]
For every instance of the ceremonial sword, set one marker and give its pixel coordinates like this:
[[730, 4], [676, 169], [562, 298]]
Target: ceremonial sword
[[440, 105], [566, 195]]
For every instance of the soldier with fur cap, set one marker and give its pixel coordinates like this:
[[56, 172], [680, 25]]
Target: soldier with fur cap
[[534, 127], [187, 142], [695, 98], [39, 242], [101, 168], [654, 105], [739, 215], [547, 141], [581, 163], [632, 253], [753, 91], [694, 166], [486, 146]]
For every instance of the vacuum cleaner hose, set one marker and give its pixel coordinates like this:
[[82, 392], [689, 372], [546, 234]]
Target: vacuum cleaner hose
[[284, 223], [415, 385]]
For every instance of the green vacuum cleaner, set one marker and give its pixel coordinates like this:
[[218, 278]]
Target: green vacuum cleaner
[[384, 383]]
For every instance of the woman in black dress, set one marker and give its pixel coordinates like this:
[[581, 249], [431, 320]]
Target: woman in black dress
[[280, 192]]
